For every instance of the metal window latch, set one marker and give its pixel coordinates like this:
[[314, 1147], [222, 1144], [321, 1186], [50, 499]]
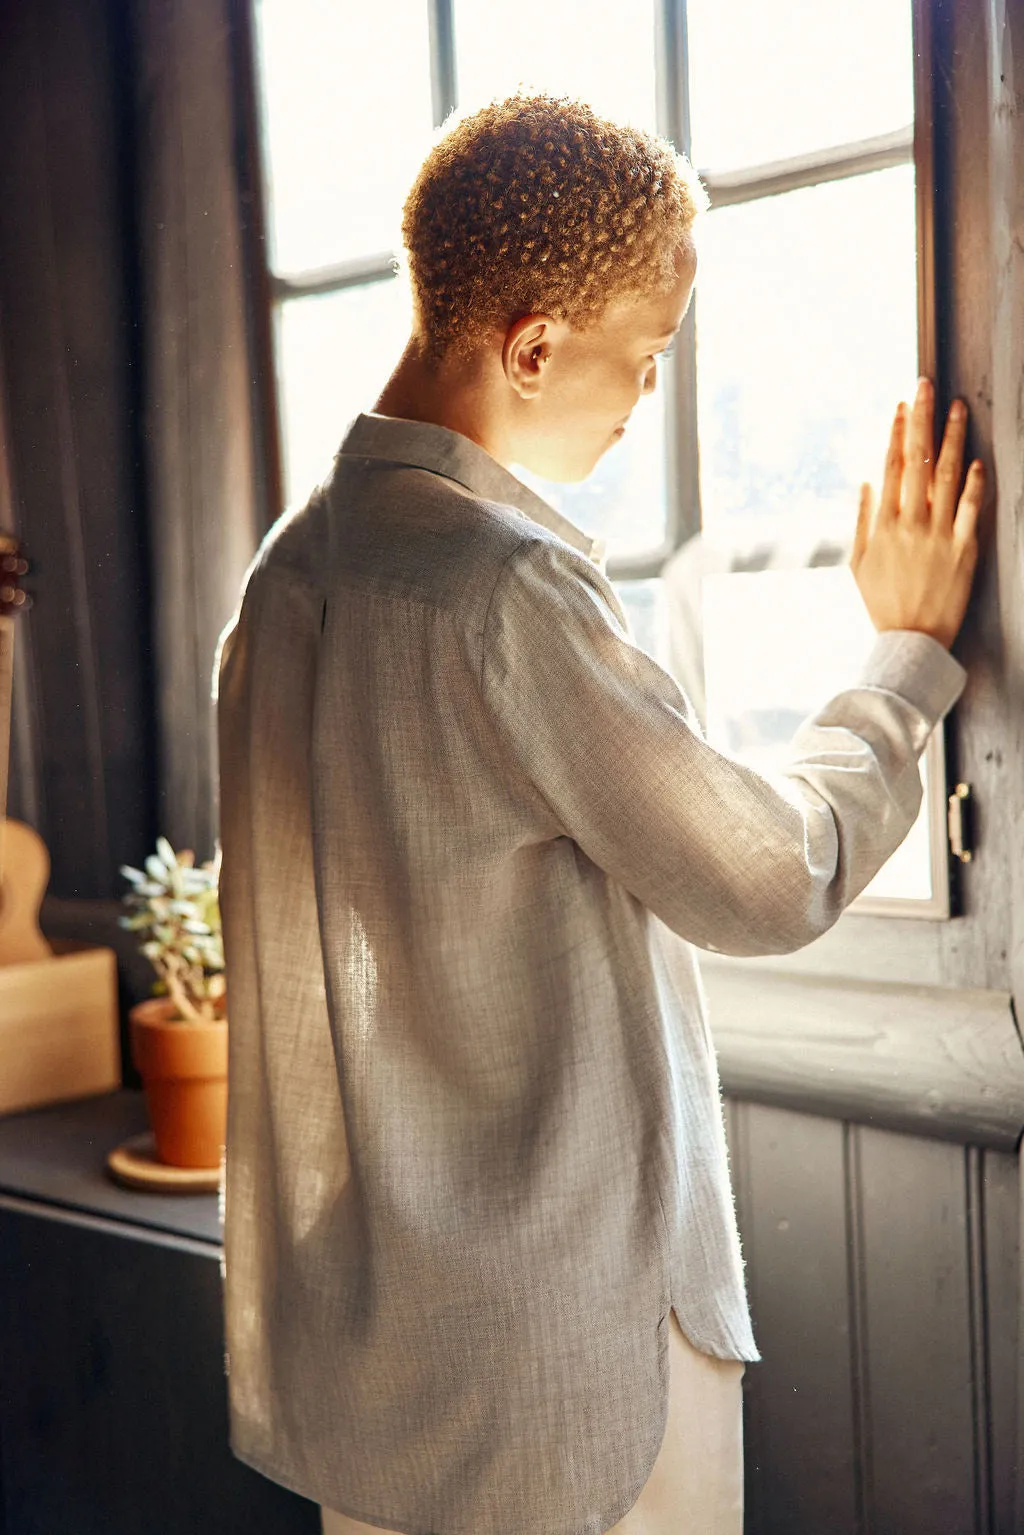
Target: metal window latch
[[961, 823]]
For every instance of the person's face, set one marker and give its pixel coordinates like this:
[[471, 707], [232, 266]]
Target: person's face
[[579, 387]]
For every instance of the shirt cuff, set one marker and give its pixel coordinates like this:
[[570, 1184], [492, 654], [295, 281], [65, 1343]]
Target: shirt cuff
[[917, 668]]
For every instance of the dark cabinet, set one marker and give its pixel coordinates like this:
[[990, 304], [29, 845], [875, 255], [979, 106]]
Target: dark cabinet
[[113, 1405]]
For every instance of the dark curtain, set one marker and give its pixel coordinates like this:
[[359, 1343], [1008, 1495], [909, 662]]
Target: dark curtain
[[198, 435], [128, 384], [83, 763]]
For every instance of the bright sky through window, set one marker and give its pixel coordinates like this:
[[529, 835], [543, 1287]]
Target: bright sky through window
[[806, 338], [347, 118], [601, 50], [775, 78]]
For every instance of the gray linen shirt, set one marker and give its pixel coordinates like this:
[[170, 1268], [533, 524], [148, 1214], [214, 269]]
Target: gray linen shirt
[[475, 1145]]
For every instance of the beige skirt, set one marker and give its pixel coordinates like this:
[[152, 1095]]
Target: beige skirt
[[696, 1484]]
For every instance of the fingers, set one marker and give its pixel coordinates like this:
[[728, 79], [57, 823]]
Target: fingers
[[864, 514], [965, 525], [889, 506], [917, 474], [949, 468]]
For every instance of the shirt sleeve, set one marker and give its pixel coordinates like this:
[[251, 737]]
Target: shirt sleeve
[[730, 860]]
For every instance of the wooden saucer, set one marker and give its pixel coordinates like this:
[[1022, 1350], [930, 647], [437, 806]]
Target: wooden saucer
[[135, 1164]]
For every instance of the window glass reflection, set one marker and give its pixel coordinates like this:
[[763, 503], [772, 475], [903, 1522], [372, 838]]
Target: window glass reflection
[[806, 338]]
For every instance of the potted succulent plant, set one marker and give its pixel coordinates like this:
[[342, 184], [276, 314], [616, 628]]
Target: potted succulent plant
[[179, 1036]]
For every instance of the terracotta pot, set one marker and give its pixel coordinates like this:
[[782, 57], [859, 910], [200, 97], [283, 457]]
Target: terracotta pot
[[184, 1070]]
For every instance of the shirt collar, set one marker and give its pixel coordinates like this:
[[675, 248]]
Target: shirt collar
[[426, 445]]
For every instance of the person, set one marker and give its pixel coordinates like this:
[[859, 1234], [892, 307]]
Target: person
[[482, 1273]]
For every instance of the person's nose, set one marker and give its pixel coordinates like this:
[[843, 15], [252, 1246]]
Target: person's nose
[[650, 382]]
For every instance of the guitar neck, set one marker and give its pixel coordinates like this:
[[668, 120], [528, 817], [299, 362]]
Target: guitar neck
[[12, 598], [6, 680]]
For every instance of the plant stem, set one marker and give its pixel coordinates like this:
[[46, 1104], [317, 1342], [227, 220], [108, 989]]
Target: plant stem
[[180, 998]]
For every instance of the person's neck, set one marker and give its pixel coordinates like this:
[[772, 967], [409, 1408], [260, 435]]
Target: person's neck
[[453, 394]]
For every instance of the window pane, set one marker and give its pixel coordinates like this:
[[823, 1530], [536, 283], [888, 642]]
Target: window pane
[[600, 50], [644, 602], [806, 328], [772, 78], [347, 120], [812, 633], [624, 499], [335, 353]]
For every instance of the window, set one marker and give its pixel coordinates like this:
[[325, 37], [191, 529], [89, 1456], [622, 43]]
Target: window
[[777, 400]]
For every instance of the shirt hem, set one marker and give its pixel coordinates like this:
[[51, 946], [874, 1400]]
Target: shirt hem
[[745, 1352], [594, 1525]]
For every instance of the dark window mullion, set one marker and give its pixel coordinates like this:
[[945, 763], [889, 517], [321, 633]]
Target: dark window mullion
[[682, 468], [672, 81], [640, 567], [443, 77]]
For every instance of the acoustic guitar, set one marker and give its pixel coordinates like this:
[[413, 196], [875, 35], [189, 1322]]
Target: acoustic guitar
[[24, 861]]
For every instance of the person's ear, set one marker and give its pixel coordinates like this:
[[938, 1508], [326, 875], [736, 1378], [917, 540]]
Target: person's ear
[[526, 354]]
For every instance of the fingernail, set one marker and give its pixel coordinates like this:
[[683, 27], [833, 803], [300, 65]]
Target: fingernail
[[957, 411]]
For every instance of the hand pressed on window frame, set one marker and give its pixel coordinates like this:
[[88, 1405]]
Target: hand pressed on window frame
[[914, 556]]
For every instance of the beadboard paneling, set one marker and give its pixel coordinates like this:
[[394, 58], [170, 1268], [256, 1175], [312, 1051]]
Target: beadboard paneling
[[883, 1279], [790, 1187]]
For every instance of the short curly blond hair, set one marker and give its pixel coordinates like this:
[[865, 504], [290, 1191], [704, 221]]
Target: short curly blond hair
[[535, 205]]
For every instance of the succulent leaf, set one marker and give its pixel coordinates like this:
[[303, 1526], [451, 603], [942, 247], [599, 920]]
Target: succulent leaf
[[173, 906], [166, 854]]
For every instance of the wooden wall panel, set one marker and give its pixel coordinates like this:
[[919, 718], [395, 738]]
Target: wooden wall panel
[[915, 1281], [800, 1403], [926, 1060], [883, 1274], [1001, 1249]]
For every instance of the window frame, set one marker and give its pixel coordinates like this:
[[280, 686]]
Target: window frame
[[912, 144]]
